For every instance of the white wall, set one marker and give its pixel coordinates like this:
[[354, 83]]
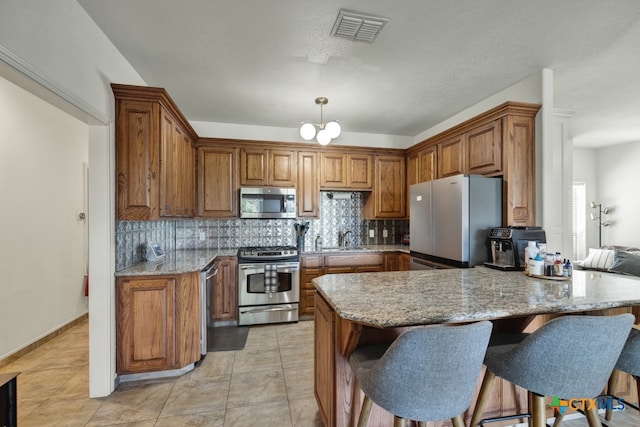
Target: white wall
[[57, 45], [267, 133], [617, 187], [43, 152], [527, 90], [585, 171]]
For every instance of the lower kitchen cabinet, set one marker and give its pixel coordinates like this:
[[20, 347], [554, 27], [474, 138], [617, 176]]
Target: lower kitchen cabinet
[[313, 266], [404, 263], [157, 322], [224, 295]]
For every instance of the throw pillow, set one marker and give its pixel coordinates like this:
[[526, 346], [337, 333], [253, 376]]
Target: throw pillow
[[598, 259], [627, 263]]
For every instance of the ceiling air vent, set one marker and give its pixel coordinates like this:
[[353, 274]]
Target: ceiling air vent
[[358, 26]]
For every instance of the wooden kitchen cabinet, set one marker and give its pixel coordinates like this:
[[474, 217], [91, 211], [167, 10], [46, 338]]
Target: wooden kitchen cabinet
[[266, 167], [451, 157], [177, 170], [154, 152], [157, 322], [422, 166], [308, 190], [388, 198], [396, 261], [311, 266], [346, 171], [323, 359], [498, 142], [224, 295], [333, 170], [217, 182], [484, 148], [404, 263]]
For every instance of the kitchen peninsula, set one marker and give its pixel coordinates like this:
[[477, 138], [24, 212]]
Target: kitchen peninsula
[[370, 308]]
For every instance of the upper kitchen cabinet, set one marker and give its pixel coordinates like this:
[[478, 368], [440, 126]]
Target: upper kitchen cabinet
[[484, 148], [155, 155], [217, 182], [308, 191], [422, 166], [344, 171], [265, 167], [387, 200], [451, 157], [499, 142]]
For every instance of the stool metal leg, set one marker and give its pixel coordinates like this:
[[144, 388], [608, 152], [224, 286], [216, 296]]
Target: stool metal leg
[[399, 422], [483, 397], [457, 421], [364, 412], [611, 391], [558, 420], [593, 418], [538, 411]]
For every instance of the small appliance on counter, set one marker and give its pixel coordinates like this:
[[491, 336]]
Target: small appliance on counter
[[506, 246], [406, 238]]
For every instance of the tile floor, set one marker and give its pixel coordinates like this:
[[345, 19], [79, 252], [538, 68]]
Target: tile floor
[[269, 383]]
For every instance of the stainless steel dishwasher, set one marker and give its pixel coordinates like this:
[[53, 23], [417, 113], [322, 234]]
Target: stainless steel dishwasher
[[206, 277]]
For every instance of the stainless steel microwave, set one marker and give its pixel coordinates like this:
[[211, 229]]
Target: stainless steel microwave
[[267, 202]]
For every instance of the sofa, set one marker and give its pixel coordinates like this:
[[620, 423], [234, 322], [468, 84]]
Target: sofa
[[612, 259]]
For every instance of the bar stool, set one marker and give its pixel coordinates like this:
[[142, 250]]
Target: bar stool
[[568, 357], [426, 374], [629, 362]]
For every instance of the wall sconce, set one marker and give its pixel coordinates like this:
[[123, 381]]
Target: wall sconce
[[601, 211]]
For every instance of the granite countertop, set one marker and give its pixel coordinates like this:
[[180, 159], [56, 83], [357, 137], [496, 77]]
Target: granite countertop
[[358, 249], [177, 262], [410, 298], [189, 260]]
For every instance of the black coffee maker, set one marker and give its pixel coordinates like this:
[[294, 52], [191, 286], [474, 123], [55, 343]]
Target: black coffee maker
[[506, 245]]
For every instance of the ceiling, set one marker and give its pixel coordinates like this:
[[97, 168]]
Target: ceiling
[[263, 63]]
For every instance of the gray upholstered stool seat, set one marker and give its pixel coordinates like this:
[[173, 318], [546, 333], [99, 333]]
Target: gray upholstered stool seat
[[426, 374], [569, 357], [629, 361]]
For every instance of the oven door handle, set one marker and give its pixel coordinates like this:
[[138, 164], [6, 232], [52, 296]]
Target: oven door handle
[[286, 269], [268, 310]]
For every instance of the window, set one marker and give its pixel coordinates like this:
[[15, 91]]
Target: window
[[579, 221]]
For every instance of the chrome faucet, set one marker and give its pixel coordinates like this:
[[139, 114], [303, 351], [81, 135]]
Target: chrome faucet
[[342, 238]]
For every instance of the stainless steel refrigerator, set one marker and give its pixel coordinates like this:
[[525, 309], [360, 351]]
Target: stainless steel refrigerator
[[450, 218]]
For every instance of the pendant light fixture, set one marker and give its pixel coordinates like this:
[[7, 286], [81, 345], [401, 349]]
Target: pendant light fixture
[[324, 132]]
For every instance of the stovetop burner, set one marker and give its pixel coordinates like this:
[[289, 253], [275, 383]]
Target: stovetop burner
[[266, 253]]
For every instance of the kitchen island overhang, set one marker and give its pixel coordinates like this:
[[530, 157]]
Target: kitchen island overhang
[[369, 308]]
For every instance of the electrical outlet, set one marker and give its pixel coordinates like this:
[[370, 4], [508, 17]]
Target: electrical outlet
[[385, 233], [202, 235], [372, 233]]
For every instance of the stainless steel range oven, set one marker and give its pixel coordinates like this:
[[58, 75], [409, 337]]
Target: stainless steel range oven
[[268, 285]]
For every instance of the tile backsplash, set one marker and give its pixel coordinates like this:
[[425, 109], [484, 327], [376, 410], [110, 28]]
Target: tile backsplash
[[336, 214]]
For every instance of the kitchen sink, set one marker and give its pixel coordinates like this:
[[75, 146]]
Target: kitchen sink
[[348, 248]]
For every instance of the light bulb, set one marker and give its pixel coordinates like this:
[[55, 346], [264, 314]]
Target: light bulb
[[323, 137], [307, 131], [333, 128]]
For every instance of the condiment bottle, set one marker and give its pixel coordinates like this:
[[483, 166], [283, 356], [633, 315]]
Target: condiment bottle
[[558, 267], [530, 252], [536, 266], [568, 269]]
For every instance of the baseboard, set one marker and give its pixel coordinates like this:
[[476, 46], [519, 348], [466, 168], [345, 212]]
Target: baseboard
[[18, 354]]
